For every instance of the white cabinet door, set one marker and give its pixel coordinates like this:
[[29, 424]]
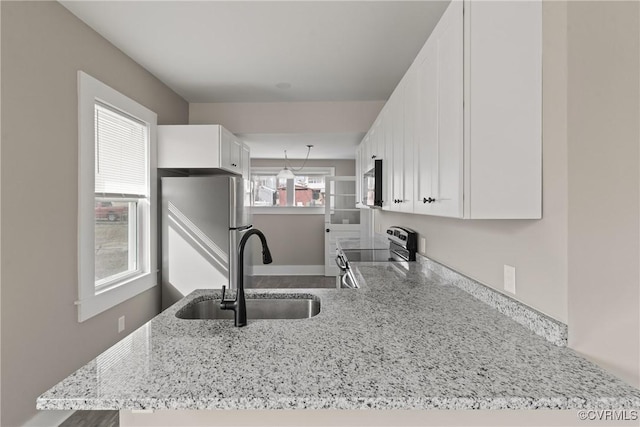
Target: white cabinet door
[[230, 152], [426, 139], [387, 164], [503, 109], [450, 54], [189, 146], [410, 122], [439, 140], [396, 110]]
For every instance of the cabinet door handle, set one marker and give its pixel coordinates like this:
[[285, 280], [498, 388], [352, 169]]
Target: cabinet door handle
[[429, 200], [374, 156], [328, 230], [234, 165]]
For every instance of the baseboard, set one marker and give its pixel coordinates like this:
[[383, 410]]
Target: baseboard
[[288, 270], [48, 418]]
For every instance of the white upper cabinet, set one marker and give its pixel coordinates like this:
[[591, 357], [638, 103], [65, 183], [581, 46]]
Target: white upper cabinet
[[439, 148], [462, 131], [503, 109], [201, 147]]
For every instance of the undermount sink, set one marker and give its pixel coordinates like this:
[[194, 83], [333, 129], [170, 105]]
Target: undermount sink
[[257, 308]]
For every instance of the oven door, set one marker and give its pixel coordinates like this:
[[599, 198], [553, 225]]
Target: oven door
[[348, 280]]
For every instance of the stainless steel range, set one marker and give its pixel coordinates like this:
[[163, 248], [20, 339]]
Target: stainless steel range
[[403, 246]]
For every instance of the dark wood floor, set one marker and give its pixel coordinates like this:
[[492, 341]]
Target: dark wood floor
[[110, 418]]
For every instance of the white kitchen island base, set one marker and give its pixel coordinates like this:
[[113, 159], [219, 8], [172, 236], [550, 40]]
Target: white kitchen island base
[[361, 418]]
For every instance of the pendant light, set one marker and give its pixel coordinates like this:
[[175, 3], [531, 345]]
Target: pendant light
[[287, 173]]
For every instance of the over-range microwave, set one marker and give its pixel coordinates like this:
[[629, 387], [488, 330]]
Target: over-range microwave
[[372, 186]]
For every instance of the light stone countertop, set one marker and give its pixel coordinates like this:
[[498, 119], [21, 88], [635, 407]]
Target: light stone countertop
[[407, 339]]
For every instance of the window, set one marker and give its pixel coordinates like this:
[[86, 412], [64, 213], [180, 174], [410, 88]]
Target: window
[[305, 190], [117, 256]]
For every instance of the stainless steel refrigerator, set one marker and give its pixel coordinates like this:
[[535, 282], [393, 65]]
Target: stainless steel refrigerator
[[202, 220]]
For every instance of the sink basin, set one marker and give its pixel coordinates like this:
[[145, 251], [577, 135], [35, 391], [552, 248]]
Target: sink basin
[[259, 308]]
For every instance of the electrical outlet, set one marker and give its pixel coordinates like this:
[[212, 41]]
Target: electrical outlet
[[510, 279], [120, 324], [423, 246]]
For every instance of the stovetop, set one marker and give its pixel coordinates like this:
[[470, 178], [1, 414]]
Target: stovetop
[[368, 255]]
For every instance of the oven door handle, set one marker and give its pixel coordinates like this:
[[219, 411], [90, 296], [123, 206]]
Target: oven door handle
[[341, 266], [348, 277]]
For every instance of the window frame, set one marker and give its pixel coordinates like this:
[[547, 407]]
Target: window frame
[[291, 210], [93, 300]]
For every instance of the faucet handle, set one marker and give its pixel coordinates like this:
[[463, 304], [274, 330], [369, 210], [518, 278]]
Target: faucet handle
[[226, 304]]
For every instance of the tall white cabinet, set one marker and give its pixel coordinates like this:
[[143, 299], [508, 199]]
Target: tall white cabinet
[[462, 131]]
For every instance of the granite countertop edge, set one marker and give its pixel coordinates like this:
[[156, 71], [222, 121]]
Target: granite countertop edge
[[353, 403]]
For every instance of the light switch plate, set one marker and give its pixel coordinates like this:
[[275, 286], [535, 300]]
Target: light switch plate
[[423, 246], [120, 324], [510, 279]]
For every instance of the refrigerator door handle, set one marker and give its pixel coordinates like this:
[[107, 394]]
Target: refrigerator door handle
[[243, 228]]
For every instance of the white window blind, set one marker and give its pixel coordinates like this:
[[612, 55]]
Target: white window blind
[[120, 154]]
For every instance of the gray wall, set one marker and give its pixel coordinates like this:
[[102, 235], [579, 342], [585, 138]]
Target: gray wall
[[538, 249], [604, 184], [287, 117], [43, 46], [296, 239]]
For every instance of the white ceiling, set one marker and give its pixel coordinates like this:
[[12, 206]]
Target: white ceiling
[[271, 51]]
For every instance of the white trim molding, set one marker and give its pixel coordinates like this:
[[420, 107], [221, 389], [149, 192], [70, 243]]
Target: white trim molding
[[92, 301], [288, 270]]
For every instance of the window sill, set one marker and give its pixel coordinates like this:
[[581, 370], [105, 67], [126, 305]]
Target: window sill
[[112, 296], [287, 210]]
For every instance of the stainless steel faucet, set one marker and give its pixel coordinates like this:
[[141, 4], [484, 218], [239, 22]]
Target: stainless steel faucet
[[239, 305]]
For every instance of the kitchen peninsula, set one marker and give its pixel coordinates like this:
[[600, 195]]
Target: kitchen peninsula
[[408, 339]]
